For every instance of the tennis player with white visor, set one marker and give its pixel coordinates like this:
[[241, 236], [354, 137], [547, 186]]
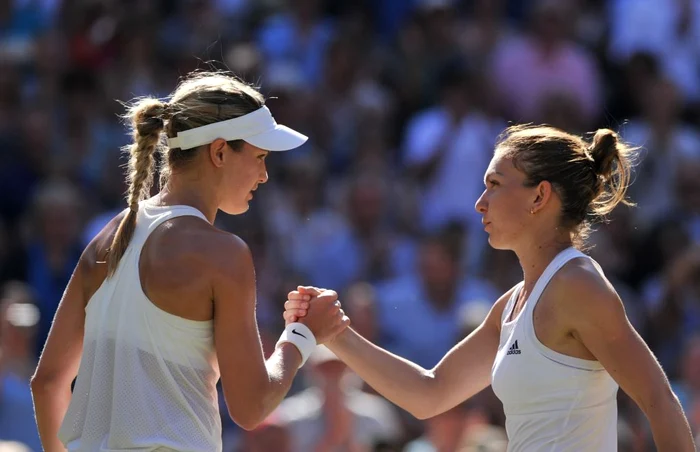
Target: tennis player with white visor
[[162, 303]]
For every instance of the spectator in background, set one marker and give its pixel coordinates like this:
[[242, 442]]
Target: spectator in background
[[418, 316], [484, 30], [443, 432], [87, 136], [667, 29], [676, 317], [529, 70], [10, 256], [18, 318], [25, 163], [360, 302], [299, 35], [355, 243], [334, 414], [446, 148], [53, 247], [667, 145], [688, 202]]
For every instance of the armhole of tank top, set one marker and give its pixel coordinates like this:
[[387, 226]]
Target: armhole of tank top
[[552, 355], [510, 305]]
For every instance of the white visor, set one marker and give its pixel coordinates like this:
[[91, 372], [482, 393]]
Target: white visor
[[257, 128]]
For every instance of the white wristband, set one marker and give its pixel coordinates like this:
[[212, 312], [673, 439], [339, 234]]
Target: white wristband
[[301, 336]]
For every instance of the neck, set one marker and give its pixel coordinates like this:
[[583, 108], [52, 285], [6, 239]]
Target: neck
[[535, 256], [181, 190]]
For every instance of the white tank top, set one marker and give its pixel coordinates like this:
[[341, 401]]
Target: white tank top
[[147, 378], [552, 402]]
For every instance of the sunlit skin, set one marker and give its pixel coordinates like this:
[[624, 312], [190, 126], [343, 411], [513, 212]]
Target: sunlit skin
[[219, 179], [516, 216], [579, 314]]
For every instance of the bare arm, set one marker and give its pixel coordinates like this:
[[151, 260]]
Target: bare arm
[[599, 321], [462, 373], [252, 386], [60, 359], [59, 362]]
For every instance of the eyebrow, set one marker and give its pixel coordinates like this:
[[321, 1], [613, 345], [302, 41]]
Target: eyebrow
[[491, 174]]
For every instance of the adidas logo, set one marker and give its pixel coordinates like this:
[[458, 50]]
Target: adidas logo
[[514, 350]]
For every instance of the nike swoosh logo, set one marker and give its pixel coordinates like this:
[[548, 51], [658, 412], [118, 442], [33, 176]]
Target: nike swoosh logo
[[296, 332]]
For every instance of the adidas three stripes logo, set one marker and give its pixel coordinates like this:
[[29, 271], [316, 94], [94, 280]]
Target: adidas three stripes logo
[[514, 350]]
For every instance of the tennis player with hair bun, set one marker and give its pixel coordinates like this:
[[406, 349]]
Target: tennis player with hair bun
[[162, 303], [556, 347]]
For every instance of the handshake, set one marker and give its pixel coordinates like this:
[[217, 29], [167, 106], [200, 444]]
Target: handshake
[[318, 309], [315, 312]]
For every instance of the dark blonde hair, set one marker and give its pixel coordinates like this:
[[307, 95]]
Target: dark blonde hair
[[590, 177], [201, 98]]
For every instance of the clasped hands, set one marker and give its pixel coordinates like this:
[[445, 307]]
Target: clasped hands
[[317, 308]]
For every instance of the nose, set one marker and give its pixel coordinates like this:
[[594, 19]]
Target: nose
[[263, 176], [481, 203]]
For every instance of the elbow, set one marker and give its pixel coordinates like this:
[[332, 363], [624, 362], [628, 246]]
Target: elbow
[[422, 414], [247, 417], [248, 422], [428, 401], [425, 410], [41, 382], [247, 425], [49, 382]]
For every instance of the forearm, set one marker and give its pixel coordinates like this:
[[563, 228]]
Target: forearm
[[50, 406], [282, 367], [402, 382], [669, 425]]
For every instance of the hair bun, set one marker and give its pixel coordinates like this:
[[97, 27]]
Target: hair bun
[[604, 151]]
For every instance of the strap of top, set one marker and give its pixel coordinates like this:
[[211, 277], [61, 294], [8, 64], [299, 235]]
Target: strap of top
[[558, 262], [150, 217], [528, 322]]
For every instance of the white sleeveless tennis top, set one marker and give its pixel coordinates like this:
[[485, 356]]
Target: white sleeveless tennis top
[[552, 402], [147, 378]]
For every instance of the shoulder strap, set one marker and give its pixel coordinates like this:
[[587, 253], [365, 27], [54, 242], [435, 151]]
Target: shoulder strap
[[558, 262]]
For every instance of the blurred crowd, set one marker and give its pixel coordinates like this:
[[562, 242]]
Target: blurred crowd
[[403, 101]]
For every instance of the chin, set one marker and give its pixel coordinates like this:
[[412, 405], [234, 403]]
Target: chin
[[235, 210], [495, 244]]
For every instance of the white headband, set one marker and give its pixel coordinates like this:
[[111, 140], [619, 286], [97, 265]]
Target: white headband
[[257, 128]]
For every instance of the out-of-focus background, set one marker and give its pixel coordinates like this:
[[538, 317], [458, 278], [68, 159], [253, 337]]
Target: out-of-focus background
[[402, 100]]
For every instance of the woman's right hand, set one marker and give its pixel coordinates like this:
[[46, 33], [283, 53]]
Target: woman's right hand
[[323, 314]]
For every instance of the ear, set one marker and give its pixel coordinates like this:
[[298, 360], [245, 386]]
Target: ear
[[543, 193], [217, 152]]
